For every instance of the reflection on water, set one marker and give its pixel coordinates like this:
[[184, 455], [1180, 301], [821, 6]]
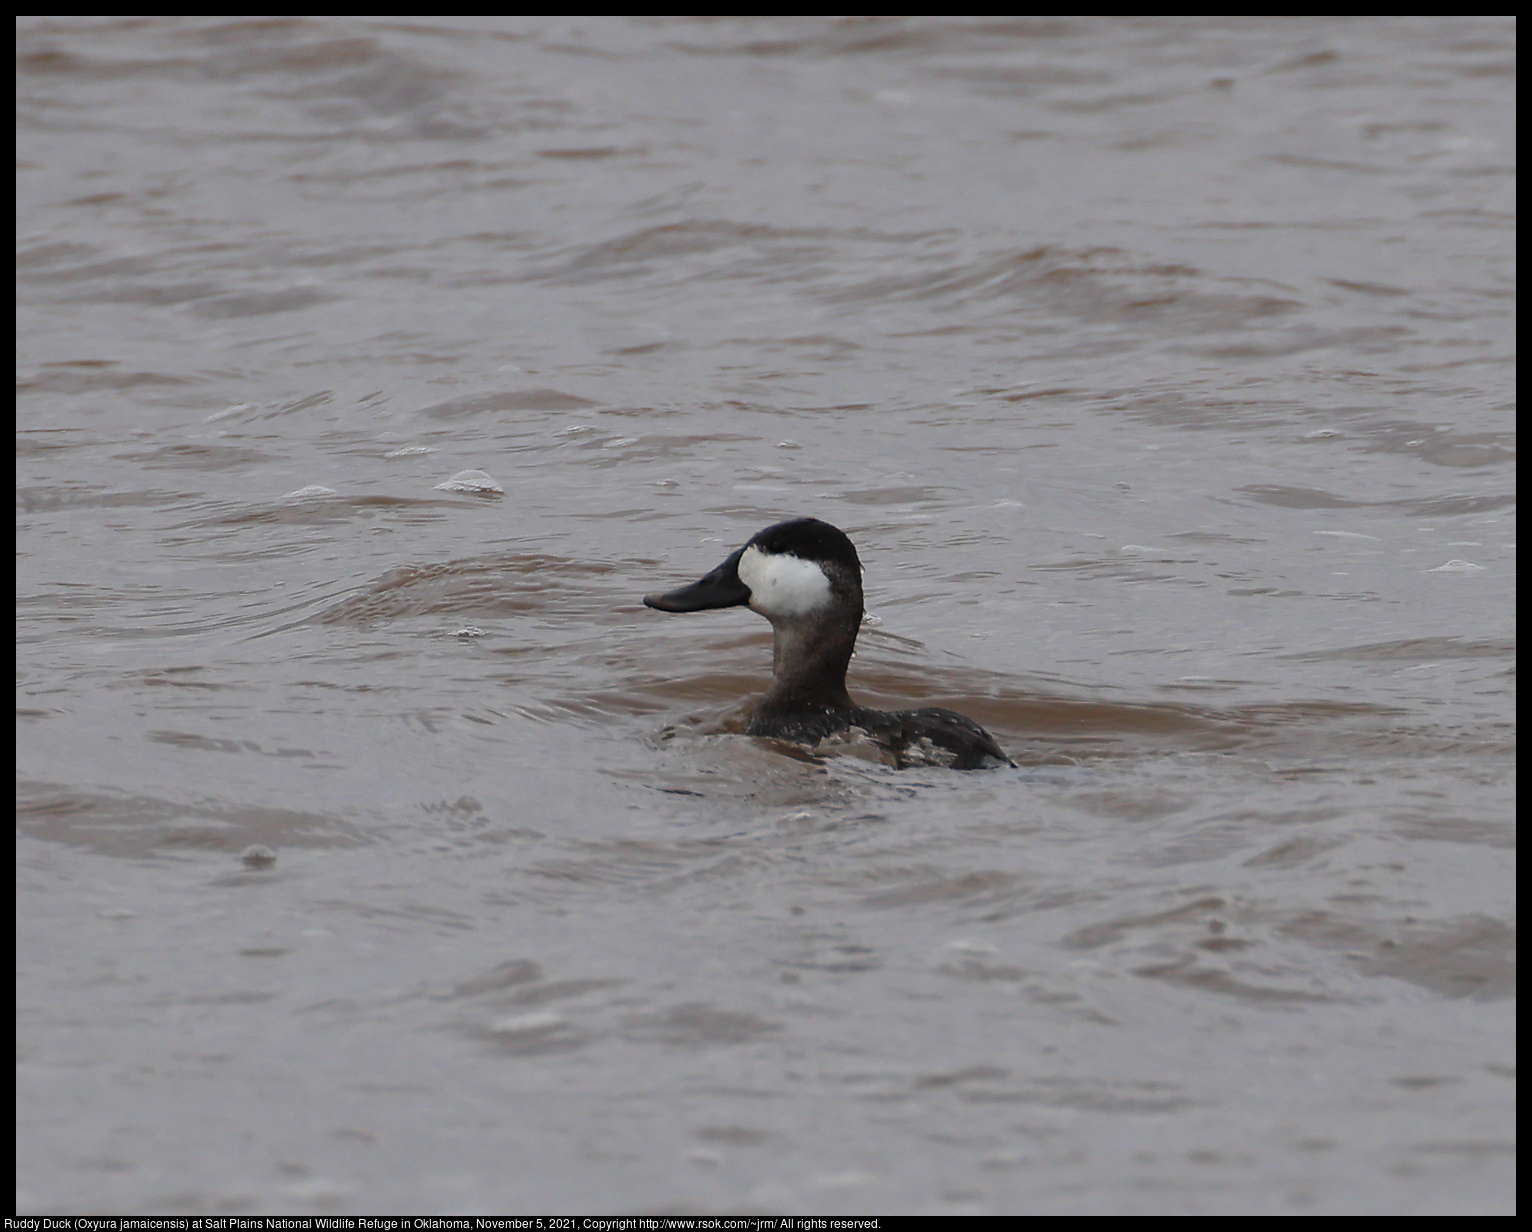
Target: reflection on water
[[370, 372]]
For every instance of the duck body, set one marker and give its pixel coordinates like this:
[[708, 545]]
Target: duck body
[[805, 577]]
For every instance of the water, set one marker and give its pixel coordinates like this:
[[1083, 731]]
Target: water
[[1161, 370]]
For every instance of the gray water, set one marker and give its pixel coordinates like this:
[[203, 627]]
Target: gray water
[[1161, 370]]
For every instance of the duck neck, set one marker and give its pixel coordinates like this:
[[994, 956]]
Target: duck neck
[[809, 660]]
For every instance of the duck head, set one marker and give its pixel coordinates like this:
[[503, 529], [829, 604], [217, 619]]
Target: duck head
[[789, 572]]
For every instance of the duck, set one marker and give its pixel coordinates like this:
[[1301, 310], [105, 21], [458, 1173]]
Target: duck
[[805, 577]]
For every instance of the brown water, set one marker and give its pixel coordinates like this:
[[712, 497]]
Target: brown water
[[1161, 370]]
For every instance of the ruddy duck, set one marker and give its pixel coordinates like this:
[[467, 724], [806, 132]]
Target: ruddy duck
[[805, 577]]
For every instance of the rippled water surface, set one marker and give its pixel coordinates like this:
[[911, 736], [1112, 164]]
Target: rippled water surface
[[372, 370]]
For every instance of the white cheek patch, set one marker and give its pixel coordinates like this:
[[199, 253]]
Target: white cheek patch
[[783, 585]]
